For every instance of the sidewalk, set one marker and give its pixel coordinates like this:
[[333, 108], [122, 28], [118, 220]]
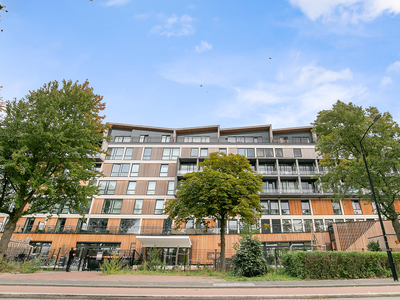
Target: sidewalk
[[93, 285]]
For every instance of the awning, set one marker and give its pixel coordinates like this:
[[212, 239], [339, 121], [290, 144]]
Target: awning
[[165, 241]]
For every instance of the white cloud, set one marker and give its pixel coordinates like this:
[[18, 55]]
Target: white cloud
[[175, 26], [204, 46], [116, 2], [346, 10], [394, 67], [385, 81]]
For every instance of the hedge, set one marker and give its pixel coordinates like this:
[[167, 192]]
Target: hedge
[[338, 265]]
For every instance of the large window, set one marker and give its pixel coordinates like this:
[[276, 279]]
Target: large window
[[297, 226], [270, 207], [151, 187], [135, 170], [278, 152], [286, 225], [356, 207], [337, 210], [301, 140], [147, 154], [285, 210], [158, 210], [115, 153], [120, 170], [98, 225], [131, 188], [107, 187], [194, 152], [170, 154], [248, 152], [28, 224], [203, 152], [122, 139], [164, 171], [171, 188], [129, 226], [268, 152], [305, 207], [196, 139], [137, 209], [111, 206], [244, 139], [128, 154]]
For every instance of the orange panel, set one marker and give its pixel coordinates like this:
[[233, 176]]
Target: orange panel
[[156, 153], [161, 187], [153, 222], [120, 188], [366, 207], [127, 206], [295, 207], [141, 187], [137, 153], [148, 206], [97, 206], [149, 170], [107, 169], [397, 205], [347, 207], [171, 170], [71, 222], [322, 207]]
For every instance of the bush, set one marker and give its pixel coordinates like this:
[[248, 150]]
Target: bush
[[374, 246], [338, 265], [19, 267], [249, 260], [111, 266]]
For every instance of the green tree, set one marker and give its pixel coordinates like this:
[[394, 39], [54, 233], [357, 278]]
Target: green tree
[[225, 188], [339, 133], [249, 259], [47, 144]]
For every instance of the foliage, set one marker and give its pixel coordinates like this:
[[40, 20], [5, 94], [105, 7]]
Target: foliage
[[19, 267], [113, 266], [338, 265], [249, 259], [339, 133], [153, 261], [226, 188], [374, 246], [47, 143]]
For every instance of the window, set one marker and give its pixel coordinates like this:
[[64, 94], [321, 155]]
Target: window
[[270, 207], [147, 154], [336, 208], [297, 226], [297, 152], [244, 139], [164, 171], [120, 170], [248, 152], [129, 226], [265, 226], [222, 150], [122, 139], [285, 210], [137, 209], [135, 170], [276, 226], [131, 188], [374, 208], [151, 187], [196, 139], [203, 152], [60, 224], [356, 207], [308, 225], [278, 152], [128, 153], [170, 153], [171, 188], [112, 206], [233, 226], [189, 224], [114, 153], [194, 152], [268, 152], [143, 139], [301, 140], [107, 187], [98, 225], [319, 225], [165, 139], [305, 207], [158, 210], [286, 225]]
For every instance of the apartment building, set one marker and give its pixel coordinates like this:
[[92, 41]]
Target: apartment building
[[143, 165]]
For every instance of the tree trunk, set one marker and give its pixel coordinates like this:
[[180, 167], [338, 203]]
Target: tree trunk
[[5, 238], [222, 255], [396, 227]]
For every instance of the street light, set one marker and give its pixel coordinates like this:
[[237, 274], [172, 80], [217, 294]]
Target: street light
[[388, 251]]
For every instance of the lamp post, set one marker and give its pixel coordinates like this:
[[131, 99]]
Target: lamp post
[[388, 251]]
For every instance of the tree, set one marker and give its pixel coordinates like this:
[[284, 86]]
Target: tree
[[48, 141], [225, 188], [249, 259], [2, 8], [339, 133]]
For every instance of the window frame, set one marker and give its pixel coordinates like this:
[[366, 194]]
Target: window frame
[[157, 209], [114, 206], [106, 190], [137, 207], [163, 172], [147, 153], [129, 189], [150, 184]]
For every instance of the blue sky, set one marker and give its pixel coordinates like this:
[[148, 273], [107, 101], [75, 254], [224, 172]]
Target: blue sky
[[180, 63]]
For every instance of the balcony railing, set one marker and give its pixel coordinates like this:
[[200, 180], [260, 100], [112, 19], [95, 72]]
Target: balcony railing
[[268, 172], [307, 172], [183, 172], [288, 171]]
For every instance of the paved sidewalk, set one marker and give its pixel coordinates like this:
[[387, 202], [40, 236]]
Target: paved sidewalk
[[93, 285]]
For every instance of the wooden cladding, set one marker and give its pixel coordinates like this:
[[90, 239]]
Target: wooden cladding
[[107, 169], [137, 153], [149, 170], [347, 207], [141, 188], [211, 150], [156, 153], [148, 206], [127, 206], [121, 187], [171, 170], [295, 207], [185, 152], [366, 207], [232, 151], [308, 153], [153, 223], [288, 152], [322, 207], [97, 206]]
